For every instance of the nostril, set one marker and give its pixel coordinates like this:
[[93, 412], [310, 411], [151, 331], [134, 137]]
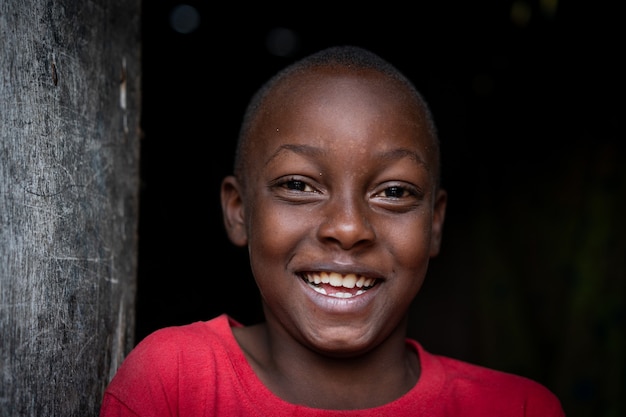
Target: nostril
[[347, 220], [347, 232]]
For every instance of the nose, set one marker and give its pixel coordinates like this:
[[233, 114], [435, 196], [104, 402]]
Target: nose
[[346, 223]]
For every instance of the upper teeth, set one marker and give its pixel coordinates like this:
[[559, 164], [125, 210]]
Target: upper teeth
[[338, 280]]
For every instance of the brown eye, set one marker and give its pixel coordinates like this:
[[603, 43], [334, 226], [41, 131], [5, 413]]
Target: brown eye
[[395, 192], [297, 185]]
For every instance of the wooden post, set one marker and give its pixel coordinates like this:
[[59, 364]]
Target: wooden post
[[69, 175]]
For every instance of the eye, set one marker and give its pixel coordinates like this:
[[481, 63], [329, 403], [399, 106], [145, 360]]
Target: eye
[[295, 189], [298, 185], [294, 185], [398, 197], [396, 191]]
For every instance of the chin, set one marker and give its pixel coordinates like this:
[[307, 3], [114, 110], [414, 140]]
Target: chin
[[342, 347]]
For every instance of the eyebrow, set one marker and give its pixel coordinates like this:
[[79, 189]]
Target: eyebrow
[[391, 155], [299, 149], [400, 153]]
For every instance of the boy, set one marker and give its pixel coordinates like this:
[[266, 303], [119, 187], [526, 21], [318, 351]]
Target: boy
[[336, 195]]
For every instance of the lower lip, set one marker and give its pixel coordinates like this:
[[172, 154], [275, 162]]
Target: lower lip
[[336, 305]]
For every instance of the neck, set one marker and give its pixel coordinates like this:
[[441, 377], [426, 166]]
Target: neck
[[301, 375]]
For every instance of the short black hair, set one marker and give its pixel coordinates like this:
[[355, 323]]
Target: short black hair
[[345, 56]]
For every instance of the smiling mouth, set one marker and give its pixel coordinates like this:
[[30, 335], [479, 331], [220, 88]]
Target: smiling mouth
[[334, 284]]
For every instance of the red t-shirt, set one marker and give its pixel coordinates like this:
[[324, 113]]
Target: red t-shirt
[[199, 370]]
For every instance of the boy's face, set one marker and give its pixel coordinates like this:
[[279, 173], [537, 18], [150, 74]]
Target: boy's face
[[340, 185]]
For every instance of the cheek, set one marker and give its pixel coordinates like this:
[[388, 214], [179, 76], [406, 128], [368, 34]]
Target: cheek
[[411, 246], [274, 236], [274, 233]]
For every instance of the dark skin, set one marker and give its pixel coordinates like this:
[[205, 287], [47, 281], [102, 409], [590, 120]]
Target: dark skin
[[340, 181]]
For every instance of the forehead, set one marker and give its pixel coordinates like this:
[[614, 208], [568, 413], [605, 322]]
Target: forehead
[[337, 86], [339, 100]]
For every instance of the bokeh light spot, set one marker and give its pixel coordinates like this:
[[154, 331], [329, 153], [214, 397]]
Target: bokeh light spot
[[184, 19], [548, 7], [520, 13]]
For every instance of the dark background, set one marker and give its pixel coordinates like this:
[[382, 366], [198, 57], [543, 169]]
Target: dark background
[[528, 97]]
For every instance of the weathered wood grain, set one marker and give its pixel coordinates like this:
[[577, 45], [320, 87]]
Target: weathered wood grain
[[69, 175]]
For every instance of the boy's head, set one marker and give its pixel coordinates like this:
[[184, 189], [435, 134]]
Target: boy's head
[[336, 196], [351, 59]]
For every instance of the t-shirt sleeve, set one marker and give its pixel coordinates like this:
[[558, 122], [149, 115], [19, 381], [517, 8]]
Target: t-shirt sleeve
[[543, 403], [144, 384], [151, 382], [474, 390]]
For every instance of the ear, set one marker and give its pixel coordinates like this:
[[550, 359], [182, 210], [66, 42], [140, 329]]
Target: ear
[[233, 211], [439, 214]]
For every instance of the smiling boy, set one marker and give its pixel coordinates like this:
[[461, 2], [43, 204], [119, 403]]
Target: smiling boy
[[336, 195]]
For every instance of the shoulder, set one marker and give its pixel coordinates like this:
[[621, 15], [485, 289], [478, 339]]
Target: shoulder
[[185, 343], [180, 337], [160, 359], [468, 384], [170, 342]]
